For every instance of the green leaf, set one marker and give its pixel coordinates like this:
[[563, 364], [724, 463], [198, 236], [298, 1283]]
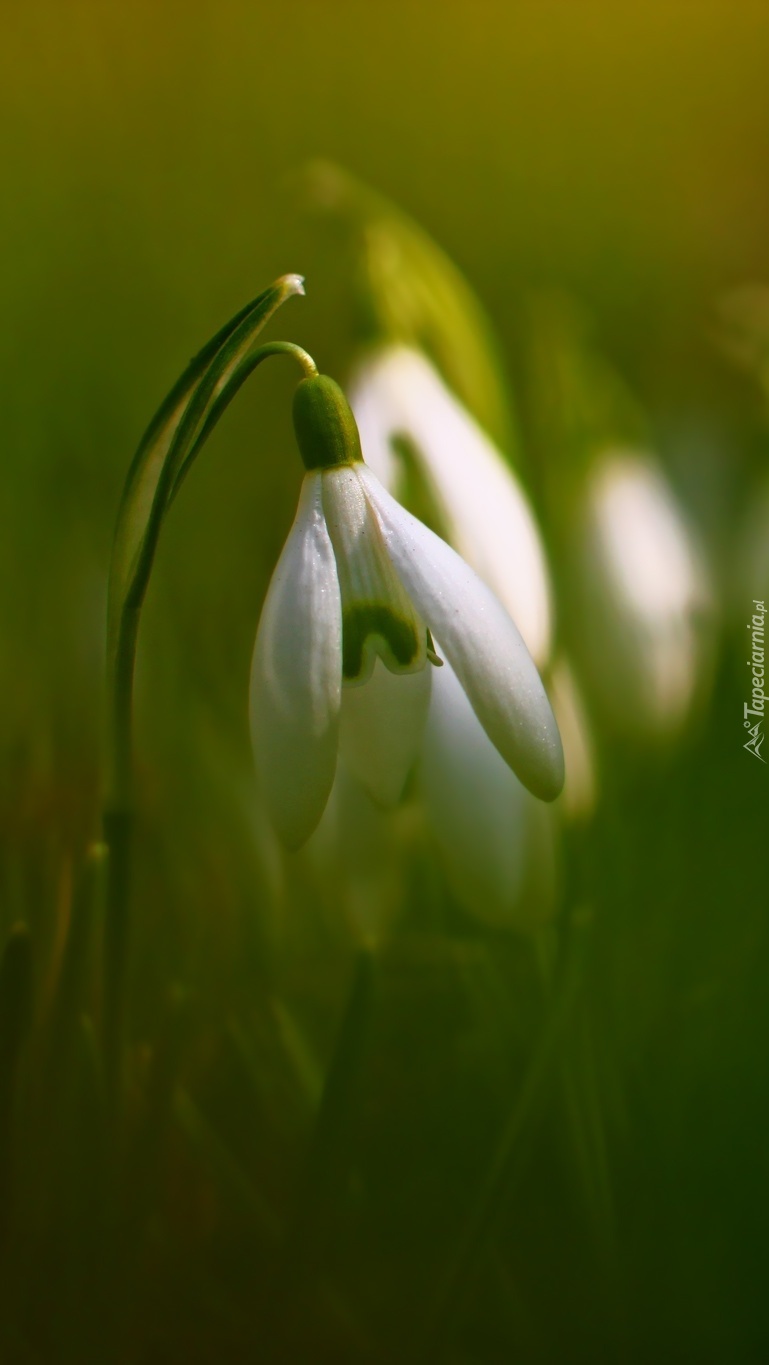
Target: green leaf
[[165, 445]]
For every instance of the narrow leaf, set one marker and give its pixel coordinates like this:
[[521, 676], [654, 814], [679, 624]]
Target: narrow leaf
[[165, 444], [216, 409]]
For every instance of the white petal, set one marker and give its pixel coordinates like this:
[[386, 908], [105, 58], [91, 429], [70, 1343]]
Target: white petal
[[381, 729], [378, 617], [376, 404], [496, 841], [356, 855], [482, 644], [488, 517], [643, 538], [296, 675]]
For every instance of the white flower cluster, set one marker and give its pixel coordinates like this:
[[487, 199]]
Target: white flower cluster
[[385, 643]]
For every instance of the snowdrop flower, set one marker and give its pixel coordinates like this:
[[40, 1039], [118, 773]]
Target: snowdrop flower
[[399, 399], [643, 595], [496, 842], [356, 858], [344, 646]]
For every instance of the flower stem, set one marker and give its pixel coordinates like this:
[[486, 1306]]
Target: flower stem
[[118, 820], [206, 405]]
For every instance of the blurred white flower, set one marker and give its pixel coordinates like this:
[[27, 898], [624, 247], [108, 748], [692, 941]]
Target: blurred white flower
[[642, 593], [496, 842], [397, 396], [358, 588], [356, 857]]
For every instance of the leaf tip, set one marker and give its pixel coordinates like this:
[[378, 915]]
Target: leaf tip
[[292, 284]]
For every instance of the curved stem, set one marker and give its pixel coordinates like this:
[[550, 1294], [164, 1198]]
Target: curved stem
[[302, 357], [224, 398], [206, 406], [121, 699]]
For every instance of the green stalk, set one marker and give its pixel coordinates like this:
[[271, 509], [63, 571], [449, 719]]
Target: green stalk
[[173, 440]]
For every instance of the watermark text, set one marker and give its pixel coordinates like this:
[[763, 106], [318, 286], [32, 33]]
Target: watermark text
[[753, 710]]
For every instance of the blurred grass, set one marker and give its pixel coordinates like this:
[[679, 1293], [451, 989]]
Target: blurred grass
[[616, 150]]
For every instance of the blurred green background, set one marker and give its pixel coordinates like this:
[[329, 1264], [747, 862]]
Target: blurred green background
[[616, 151]]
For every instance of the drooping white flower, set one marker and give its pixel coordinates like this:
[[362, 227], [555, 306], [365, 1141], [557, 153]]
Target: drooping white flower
[[642, 590], [358, 589], [356, 856], [498, 845], [496, 842], [399, 399]]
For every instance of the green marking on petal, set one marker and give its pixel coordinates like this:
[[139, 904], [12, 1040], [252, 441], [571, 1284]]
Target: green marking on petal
[[378, 616], [389, 635]]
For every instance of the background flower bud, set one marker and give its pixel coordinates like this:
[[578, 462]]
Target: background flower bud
[[641, 596]]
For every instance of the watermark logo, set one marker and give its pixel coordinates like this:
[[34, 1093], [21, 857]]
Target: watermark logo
[[753, 710]]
